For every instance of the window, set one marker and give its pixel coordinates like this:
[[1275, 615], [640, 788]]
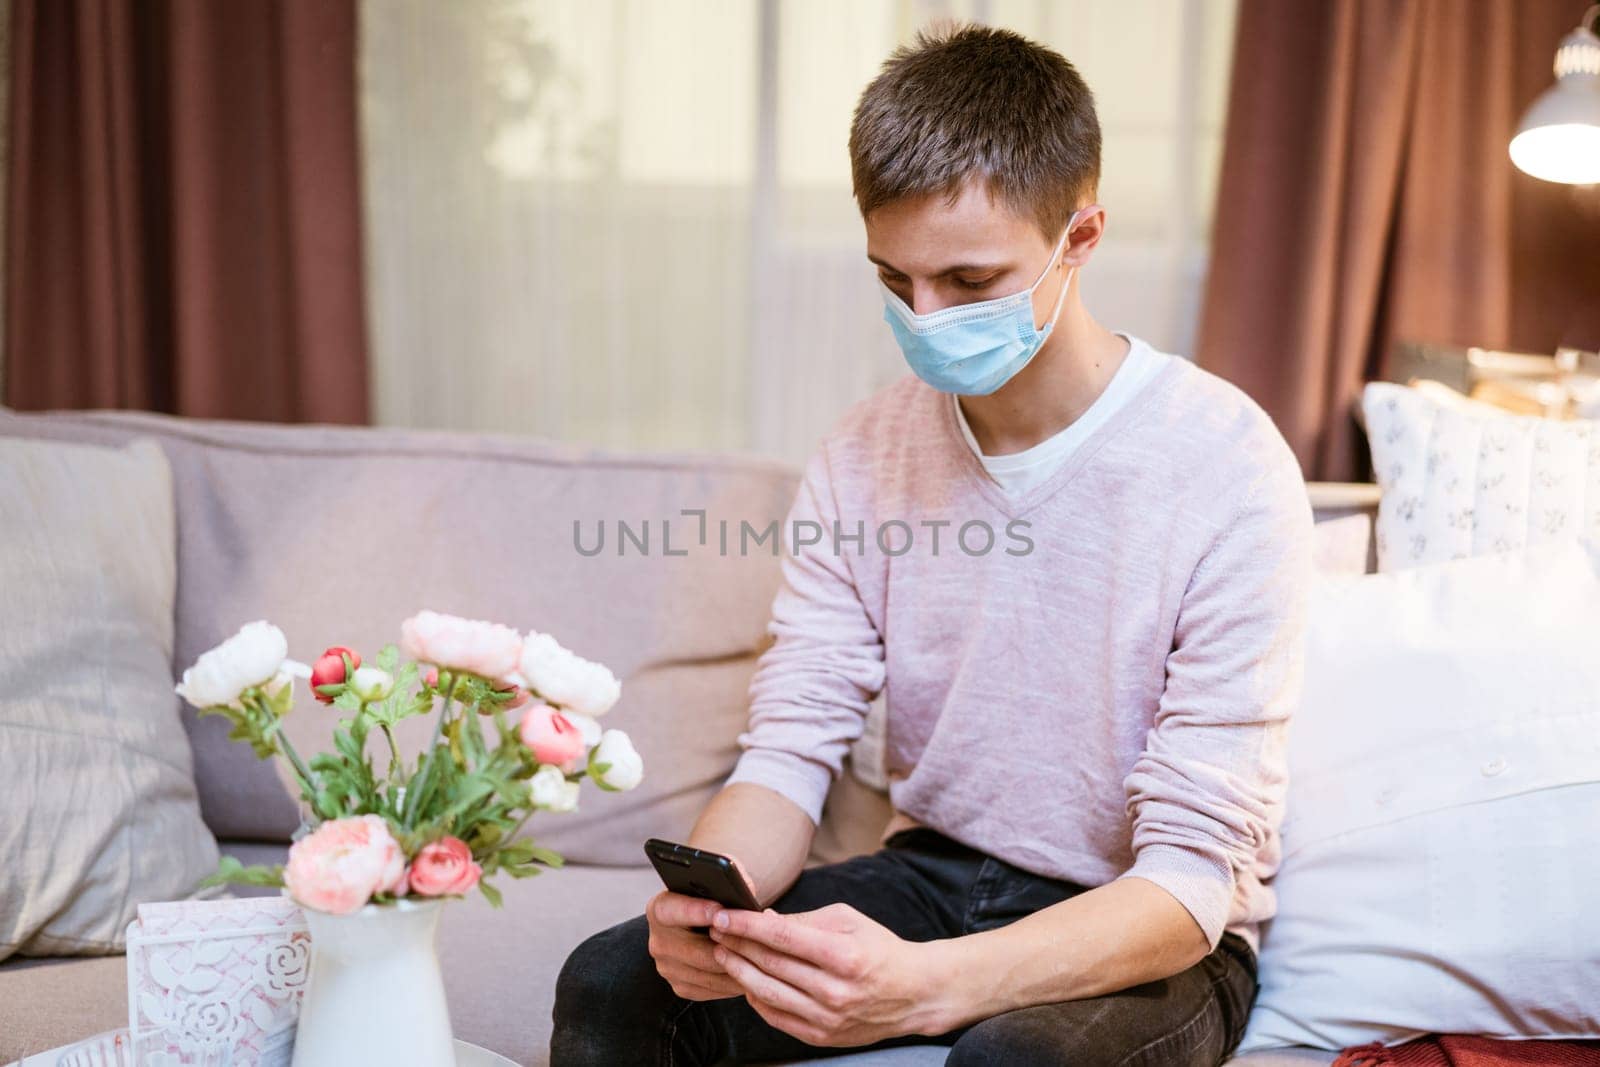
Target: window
[[629, 222]]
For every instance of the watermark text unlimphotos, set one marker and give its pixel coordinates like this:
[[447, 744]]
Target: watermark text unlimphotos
[[691, 531]]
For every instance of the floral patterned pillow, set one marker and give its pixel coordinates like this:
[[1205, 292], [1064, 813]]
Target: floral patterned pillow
[[1463, 479]]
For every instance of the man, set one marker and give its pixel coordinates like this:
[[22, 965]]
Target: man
[[1086, 722]]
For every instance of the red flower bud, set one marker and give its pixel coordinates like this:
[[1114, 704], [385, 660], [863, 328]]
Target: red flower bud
[[329, 669]]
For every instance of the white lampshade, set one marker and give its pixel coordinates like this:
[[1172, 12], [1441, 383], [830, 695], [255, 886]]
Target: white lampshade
[[1559, 137]]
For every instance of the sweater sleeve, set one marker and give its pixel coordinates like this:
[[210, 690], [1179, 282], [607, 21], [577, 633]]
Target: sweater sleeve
[[1206, 795], [813, 685]]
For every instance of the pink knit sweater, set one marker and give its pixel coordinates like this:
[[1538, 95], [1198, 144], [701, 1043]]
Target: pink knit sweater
[[1100, 686]]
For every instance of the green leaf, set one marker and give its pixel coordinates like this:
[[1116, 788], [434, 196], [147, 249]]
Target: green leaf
[[388, 656], [402, 702], [346, 744], [246, 729], [231, 872], [597, 770], [548, 858], [347, 701], [405, 678], [424, 785], [517, 852], [474, 791], [491, 893]]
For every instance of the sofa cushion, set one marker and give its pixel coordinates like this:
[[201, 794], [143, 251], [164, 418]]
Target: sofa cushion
[[45, 1004], [337, 534], [1438, 861], [92, 754]]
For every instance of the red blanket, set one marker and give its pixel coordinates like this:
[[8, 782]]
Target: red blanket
[[1459, 1050]]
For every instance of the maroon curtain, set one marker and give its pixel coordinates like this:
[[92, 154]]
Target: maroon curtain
[[183, 216], [1367, 197]]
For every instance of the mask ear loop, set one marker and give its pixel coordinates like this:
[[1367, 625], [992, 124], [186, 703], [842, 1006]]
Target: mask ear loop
[[1066, 283]]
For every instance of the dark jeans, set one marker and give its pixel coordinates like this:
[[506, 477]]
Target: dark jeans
[[613, 1008]]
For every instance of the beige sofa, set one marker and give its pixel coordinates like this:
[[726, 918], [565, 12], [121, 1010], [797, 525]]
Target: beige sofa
[[337, 534]]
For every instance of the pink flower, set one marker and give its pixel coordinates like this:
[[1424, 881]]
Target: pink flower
[[486, 649], [551, 735], [340, 866], [444, 868], [329, 669]]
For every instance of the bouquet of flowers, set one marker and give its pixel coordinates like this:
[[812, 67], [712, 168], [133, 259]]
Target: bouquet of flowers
[[516, 731]]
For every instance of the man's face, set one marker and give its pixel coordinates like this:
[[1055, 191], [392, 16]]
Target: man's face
[[935, 254]]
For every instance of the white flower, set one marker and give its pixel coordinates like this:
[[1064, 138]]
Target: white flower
[[588, 726], [566, 679], [253, 656], [614, 764], [372, 683], [551, 790]]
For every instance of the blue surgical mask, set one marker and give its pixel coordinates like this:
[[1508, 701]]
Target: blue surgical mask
[[974, 349]]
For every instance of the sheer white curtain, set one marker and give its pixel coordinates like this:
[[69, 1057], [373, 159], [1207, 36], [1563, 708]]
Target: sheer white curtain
[[5, 161], [629, 222]]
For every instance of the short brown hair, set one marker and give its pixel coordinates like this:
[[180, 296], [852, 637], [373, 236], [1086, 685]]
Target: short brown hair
[[970, 101]]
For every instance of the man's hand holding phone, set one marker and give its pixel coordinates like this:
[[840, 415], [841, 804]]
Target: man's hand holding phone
[[678, 921], [683, 953]]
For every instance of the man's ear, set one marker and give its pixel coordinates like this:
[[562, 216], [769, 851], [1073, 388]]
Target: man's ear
[[1085, 235]]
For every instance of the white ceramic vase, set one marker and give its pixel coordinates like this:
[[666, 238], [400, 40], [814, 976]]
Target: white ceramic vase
[[375, 994]]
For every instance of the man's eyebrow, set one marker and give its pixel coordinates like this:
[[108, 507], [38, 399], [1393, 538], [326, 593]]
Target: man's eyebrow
[[959, 268]]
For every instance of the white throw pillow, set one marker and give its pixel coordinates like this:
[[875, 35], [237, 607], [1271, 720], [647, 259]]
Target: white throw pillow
[[1441, 840], [1464, 479]]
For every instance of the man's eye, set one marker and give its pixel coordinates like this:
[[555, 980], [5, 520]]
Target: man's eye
[[974, 285]]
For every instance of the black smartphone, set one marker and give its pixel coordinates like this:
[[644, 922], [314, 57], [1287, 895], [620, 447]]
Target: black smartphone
[[696, 872]]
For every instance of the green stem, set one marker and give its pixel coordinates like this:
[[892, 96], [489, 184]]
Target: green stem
[[508, 838], [307, 782], [425, 773], [505, 735], [477, 724], [394, 753]]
